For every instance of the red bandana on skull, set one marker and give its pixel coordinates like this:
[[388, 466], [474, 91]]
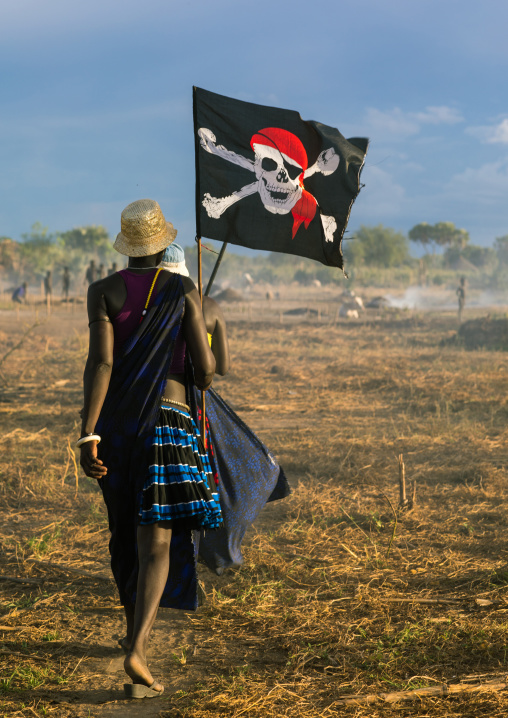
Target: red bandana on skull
[[293, 152]]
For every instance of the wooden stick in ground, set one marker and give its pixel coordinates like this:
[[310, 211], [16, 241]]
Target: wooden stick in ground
[[71, 569], [441, 690], [16, 346], [200, 288], [73, 459], [15, 579], [68, 461], [402, 482]]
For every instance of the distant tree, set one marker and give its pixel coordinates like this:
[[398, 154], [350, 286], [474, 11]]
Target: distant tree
[[9, 253], [279, 259], [446, 234], [381, 246], [304, 277], [354, 252], [422, 233], [92, 242], [501, 249], [480, 256], [442, 234], [38, 251]]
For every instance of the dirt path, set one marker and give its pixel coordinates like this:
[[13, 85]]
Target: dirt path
[[179, 655]]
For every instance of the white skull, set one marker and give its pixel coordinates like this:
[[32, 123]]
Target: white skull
[[278, 179]]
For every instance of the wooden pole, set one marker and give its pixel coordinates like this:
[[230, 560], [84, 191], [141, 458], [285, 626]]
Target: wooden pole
[[215, 269], [402, 482], [200, 288]]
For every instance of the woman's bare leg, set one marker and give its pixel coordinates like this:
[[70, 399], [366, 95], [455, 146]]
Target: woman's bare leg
[[154, 541], [126, 641]]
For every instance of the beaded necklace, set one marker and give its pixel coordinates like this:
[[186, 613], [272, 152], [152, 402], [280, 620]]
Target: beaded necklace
[[150, 292]]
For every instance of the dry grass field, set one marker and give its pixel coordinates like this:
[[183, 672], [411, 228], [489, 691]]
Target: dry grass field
[[346, 605]]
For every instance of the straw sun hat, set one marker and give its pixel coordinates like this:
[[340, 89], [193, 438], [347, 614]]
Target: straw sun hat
[[144, 230]]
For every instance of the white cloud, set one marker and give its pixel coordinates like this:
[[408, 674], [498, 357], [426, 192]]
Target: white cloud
[[487, 185], [399, 124], [440, 115], [492, 134], [394, 122]]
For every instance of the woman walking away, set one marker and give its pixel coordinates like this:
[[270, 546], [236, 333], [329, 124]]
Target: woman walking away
[[150, 463]]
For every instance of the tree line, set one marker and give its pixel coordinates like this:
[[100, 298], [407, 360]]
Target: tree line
[[443, 244], [384, 247], [40, 251]]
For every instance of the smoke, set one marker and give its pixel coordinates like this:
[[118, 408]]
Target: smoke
[[435, 298]]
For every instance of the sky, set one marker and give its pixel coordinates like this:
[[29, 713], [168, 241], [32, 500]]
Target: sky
[[96, 102]]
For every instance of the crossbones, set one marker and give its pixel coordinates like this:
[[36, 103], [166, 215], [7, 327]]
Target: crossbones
[[280, 166]]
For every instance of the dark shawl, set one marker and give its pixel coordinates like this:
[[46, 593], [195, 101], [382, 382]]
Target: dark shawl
[[126, 425]]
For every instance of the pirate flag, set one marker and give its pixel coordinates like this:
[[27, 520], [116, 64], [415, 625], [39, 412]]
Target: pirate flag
[[266, 179]]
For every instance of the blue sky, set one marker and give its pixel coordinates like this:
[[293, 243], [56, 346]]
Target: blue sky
[[96, 102]]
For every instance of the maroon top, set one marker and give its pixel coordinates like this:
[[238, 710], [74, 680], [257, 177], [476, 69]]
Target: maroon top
[[128, 318]]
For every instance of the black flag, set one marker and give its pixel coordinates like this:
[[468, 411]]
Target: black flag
[[266, 179]]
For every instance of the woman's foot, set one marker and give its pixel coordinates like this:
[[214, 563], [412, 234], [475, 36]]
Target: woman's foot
[[136, 690], [138, 672]]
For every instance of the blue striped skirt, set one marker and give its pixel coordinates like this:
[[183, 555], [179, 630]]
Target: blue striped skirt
[[180, 486]]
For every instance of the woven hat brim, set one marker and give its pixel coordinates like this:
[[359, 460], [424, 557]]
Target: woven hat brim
[[150, 245]]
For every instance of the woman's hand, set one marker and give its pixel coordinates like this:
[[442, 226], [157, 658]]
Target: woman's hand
[[92, 466]]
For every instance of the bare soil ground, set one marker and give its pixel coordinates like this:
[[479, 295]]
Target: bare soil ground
[[341, 595]]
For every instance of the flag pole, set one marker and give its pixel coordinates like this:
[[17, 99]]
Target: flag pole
[[200, 289], [215, 269], [198, 240]]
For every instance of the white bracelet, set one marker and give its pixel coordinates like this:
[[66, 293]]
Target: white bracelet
[[89, 437]]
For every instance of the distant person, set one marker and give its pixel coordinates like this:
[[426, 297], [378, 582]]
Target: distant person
[[461, 296], [66, 283], [217, 334], [112, 269], [174, 260], [90, 274], [101, 272], [48, 284], [20, 293]]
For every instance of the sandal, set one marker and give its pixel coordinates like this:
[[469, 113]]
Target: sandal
[[139, 690]]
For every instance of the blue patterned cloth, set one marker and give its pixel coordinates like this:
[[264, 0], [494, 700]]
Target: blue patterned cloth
[[180, 487]]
